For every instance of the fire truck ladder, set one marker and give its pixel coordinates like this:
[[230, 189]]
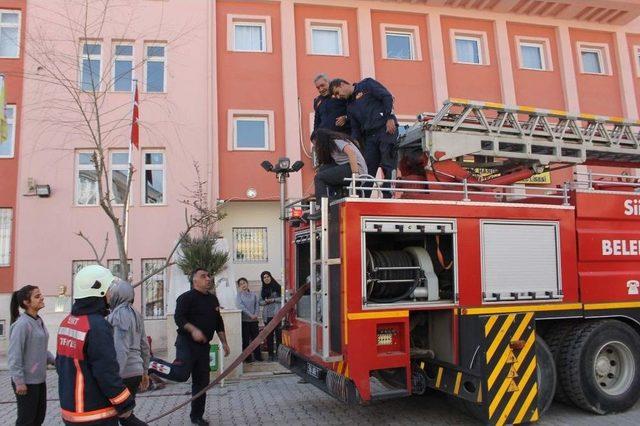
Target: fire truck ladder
[[321, 295], [533, 135]]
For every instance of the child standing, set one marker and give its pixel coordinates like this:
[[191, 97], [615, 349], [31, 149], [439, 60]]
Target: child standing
[[28, 355], [247, 302]]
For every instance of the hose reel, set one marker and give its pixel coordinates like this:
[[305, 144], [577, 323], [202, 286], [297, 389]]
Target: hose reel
[[394, 275]]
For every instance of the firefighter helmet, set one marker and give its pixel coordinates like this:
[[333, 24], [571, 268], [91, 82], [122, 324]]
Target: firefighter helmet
[[92, 281]]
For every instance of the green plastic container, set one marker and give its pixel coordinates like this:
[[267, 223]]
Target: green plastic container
[[214, 350]]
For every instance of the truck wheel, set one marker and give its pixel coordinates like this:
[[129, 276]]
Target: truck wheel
[[555, 338], [547, 377], [600, 366]]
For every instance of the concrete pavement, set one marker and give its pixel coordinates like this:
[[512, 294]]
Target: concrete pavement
[[281, 400]]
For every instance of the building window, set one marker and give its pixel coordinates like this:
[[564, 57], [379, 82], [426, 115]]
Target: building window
[[399, 45], [470, 47], [6, 219], [153, 289], [155, 75], [249, 37], [594, 58], [91, 66], [327, 37], [86, 179], [9, 34], [7, 146], [249, 245], [251, 130], [114, 266], [123, 68], [119, 176], [636, 52], [534, 53], [154, 177]]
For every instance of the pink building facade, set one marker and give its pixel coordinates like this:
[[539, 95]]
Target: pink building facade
[[237, 88]]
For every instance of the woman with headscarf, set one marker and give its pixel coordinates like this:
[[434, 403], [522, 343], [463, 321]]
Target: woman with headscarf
[[270, 296], [130, 339]]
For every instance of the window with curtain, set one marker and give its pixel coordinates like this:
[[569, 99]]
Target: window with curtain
[[7, 146], [468, 50], [592, 61], [249, 37], [326, 40], [6, 219], [399, 45], [532, 55]]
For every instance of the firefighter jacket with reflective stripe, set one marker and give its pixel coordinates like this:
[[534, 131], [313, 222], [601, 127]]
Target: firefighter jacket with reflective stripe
[[88, 382]]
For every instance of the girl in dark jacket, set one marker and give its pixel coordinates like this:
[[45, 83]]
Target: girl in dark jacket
[[270, 297]]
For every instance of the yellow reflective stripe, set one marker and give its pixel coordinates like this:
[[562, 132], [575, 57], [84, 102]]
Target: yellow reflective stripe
[[494, 105], [558, 112], [489, 325], [376, 315], [522, 308], [505, 384], [514, 397], [526, 404], [587, 116], [527, 109], [439, 378], [456, 388], [496, 342], [620, 305], [459, 101]]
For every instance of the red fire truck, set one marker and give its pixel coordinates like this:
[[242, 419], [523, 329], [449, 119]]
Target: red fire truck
[[468, 281]]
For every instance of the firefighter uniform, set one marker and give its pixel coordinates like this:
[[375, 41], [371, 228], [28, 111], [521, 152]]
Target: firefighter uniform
[[368, 109], [90, 388], [327, 109]]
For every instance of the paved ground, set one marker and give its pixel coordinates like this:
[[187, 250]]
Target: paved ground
[[281, 400]]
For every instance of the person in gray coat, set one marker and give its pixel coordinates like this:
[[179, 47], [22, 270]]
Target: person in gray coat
[[28, 355], [270, 297], [247, 302], [130, 339]]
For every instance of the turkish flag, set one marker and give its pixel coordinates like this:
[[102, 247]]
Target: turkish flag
[[135, 126]]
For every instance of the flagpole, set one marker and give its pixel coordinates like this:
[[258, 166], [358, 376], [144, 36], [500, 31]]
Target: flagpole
[[129, 174]]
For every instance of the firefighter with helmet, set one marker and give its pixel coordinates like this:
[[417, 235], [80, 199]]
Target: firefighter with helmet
[[91, 390]]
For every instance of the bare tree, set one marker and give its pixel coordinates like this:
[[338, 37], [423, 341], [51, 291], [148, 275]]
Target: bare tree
[[81, 105]]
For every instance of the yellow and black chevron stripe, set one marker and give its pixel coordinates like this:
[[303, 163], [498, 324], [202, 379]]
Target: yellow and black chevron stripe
[[511, 385]]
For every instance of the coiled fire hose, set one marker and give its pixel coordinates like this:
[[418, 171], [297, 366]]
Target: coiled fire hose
[[248, 351]]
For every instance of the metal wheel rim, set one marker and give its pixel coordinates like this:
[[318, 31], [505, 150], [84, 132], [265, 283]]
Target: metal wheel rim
[[614, 368]]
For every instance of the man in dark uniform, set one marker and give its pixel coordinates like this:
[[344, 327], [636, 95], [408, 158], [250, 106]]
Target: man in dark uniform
[[198, 317], [330, 112], [373, 123]]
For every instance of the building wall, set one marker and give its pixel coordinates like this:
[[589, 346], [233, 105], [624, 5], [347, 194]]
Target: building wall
[[12, 70]]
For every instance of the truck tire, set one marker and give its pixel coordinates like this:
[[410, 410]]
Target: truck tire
[[599, 366], [547, 375], [555, 338]]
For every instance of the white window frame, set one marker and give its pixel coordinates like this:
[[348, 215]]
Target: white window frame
[[327, 24], [91, 58], [164, 288], [18, 25], [113, 167], [6, 216], [602, 50], [262, 115], [636, 59], [253, 20], [78, 167], [413, 31], [265, 259], [12, 136], [146, 167], [116, 58], [147, 59], [478, 36], [543, 45], [263, 30]]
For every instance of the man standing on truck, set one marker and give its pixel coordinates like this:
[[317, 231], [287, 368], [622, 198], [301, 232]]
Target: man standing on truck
[[329, 112], [373, 123]]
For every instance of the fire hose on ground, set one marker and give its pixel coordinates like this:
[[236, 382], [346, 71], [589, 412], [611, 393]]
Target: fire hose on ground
[[248, 351]]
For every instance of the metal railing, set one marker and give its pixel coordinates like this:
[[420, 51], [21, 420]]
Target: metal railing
[[465, 188], [594, 179]]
